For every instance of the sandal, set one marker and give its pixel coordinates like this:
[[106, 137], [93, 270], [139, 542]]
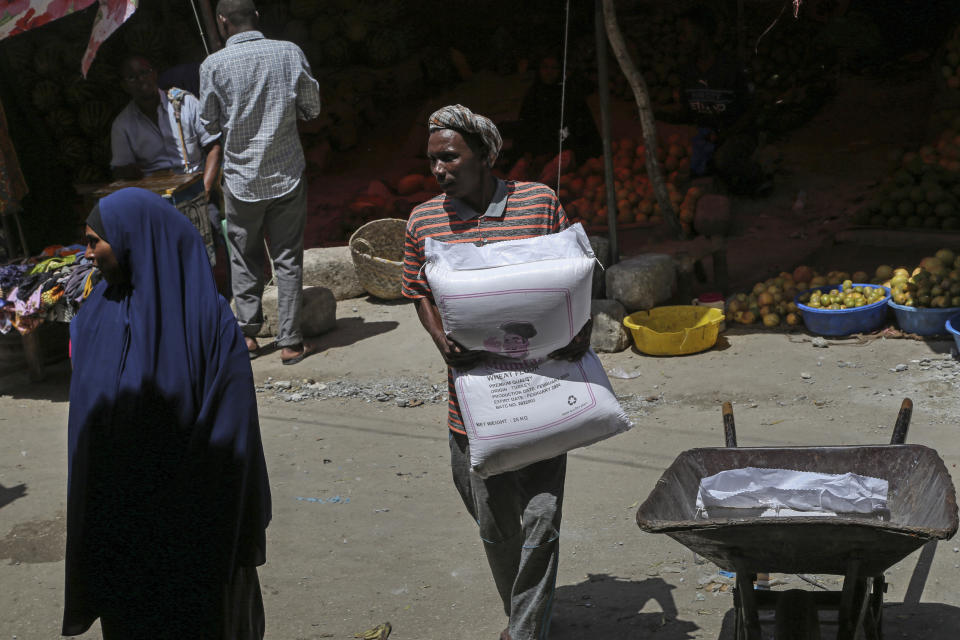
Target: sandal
[[255, 352], [306, 351]]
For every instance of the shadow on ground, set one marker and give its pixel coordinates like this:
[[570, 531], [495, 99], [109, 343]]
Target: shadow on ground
[[9, 494], [352, 330], [55, 386], [606, 607]]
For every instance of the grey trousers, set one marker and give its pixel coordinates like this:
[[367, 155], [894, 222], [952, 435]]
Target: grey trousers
[[519, 517], [283, 220]]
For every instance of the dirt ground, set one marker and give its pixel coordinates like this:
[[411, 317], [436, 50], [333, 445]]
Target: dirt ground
[[396, 544]]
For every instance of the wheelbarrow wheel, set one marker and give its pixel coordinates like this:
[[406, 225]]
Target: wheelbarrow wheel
[[738, 633], [796, 617]]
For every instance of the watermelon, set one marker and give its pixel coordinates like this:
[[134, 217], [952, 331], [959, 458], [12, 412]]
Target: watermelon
[[314, 52], [355, 30], [89, 174], [384, 48], [437, 68], [46, 61], [94, 117], [46, 95], [74, 150], [101, 151], [322, 28], [273, 17], [296, 31], [71, 55], [61, 122], [304, 9], [20, 53], [79, 91], [336, 52]]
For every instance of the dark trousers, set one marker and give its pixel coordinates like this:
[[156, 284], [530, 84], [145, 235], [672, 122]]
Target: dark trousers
[[240, 616]]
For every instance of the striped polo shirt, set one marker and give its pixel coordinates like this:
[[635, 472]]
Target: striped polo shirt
[[518, 210]]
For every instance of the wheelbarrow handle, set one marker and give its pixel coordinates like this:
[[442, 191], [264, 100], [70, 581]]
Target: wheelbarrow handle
[[903, 422], [729, 427]]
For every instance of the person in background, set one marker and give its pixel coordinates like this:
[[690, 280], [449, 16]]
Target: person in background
[[253, 91], [538, 130], [718, 99], [148, 136], [167, 495], [518, 512], [161, 131]]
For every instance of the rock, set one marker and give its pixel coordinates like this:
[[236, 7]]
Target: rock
[[820, 343], [332, 268], [601, 249], [899, 368], [805, 375], [318, 314], [712, 217], [642, 282], [608, 334]]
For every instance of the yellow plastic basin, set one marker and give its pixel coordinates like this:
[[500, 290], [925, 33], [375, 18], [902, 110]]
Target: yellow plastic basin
[[674, 331]]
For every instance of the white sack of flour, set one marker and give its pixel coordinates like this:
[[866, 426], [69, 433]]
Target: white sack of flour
[[517, 298], [516, 413]]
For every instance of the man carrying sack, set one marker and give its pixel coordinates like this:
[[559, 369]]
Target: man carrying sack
[[518, 512]]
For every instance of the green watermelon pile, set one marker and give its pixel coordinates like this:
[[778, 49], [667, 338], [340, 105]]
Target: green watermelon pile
[[77, 112], [789, 69]]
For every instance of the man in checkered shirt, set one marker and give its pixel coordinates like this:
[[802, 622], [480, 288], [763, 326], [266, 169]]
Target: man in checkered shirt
[[253, 92]]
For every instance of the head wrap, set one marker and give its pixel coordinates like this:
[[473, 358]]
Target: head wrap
[[96, 223], [458, 118]]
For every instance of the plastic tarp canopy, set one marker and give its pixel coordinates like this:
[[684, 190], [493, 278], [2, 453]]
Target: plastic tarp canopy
[[19, 16]]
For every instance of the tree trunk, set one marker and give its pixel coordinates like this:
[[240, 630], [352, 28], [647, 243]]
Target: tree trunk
[[210, 24], [642, 96], [603, 88]]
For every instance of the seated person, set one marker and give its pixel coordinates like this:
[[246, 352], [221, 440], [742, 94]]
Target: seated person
[[146, 136], [537, 130], [717, 97], [160, 131]]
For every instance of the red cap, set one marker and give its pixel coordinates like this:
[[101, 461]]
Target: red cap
[[710, 297]]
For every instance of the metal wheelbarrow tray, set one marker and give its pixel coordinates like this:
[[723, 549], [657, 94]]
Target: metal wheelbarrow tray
[[922, 507]]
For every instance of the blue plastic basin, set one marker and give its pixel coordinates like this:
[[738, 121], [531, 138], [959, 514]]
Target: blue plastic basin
[[843, 322], [952, 325], [922, 321]]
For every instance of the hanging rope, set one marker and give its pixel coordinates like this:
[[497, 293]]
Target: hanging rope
[[796, 15], [563, 91], [199, 26]]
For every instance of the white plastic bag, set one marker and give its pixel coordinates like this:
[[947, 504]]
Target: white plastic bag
[[781, 492], [517, 298], [519, 412]]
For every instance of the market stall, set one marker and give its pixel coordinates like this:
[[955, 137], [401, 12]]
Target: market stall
[[49, 286]]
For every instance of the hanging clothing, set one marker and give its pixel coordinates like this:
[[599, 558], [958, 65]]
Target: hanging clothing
[[167, 499], [12, 185]]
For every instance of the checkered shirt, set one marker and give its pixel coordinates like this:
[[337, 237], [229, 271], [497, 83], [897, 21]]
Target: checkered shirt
[[253, 91]]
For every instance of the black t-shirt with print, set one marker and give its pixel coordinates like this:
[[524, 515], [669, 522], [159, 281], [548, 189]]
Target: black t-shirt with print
[[717, 97]]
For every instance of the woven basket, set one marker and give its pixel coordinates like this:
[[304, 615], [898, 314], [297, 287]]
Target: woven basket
[[377, 250]]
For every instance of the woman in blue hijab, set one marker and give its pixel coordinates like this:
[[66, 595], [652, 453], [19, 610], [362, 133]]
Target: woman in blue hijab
[[168, 500]]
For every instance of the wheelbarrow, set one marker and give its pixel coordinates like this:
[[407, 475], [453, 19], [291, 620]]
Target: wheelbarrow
[[922, 507]]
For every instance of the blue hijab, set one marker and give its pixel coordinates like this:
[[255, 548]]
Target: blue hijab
[[167, 489]]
